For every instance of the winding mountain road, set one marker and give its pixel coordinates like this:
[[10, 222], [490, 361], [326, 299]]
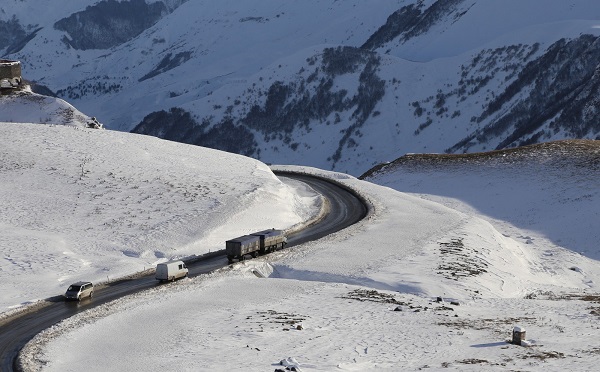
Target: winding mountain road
[[346, 209]]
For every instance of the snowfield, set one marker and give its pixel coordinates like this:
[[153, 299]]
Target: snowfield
[[88, 204], [365, 298]]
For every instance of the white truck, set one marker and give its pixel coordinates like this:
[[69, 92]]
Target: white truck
[[169, 271]]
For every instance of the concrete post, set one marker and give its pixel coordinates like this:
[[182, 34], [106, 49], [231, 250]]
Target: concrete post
[[518, 335]]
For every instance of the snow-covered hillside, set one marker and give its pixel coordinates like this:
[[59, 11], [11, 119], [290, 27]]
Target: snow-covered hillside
[[25, 106], [340, 85], [504, 238], [365, 298], [552, 189], [87, 204]]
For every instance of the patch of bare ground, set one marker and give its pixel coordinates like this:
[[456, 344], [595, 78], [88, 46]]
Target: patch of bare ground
[[363, 295], [459, 261], [373, 296], [530, 353], [473, 361], [556, 154], [274, 320], [485, 324], [542, 355], [593, 298], [587, 297], [594, 350]]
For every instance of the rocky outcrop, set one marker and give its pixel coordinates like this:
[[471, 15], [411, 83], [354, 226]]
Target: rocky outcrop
[[556, 92], [109, 23], [178, 125], [306, 102], [413, 20]]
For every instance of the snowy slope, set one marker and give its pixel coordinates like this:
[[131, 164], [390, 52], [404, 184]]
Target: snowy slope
[[26, 106], [365, 298], [551, 189], [454, 75], [86, 204], [505, 238]]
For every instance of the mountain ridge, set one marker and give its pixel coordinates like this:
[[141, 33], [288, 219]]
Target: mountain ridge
[[362, 84]]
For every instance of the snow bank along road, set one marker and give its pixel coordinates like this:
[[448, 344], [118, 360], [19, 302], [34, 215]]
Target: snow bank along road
[[345, 209]]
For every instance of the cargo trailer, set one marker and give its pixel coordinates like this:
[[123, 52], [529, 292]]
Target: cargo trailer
[[241, 246], [271, 240]]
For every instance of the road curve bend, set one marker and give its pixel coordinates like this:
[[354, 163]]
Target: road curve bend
[[346, 208]]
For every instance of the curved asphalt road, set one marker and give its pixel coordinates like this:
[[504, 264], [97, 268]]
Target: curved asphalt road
[[15, 332]]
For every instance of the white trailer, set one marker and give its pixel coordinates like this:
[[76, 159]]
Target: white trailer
[[169, 271]]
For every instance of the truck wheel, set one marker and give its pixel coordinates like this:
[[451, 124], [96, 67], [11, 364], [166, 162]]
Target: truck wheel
[[91, 294]]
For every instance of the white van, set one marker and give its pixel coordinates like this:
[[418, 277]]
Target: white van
[[169, 271], [79, 290]]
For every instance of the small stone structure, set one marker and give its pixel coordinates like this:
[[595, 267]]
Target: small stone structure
[[518, 335], [94, 123], [10, 74]]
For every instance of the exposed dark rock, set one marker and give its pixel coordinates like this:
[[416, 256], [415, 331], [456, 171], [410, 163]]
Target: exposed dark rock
[[41, 89], [10, 31], [20, 44], [169, 62], [109, 23], [178, 125], [92, 86], [286, 107], [412, 20], [522, 95], [561, 94], [294, 104]]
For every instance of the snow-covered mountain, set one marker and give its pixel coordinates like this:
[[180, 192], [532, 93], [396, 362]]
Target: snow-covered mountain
[[337, 85]]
